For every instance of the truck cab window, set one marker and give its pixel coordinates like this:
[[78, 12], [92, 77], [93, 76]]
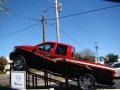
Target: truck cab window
[[46, 47], [61, 50]]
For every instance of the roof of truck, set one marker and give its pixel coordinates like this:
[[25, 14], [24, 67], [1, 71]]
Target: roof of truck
[[58, 43]]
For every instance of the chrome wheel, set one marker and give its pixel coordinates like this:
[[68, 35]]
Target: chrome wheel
[[19, 63], [87, 82]]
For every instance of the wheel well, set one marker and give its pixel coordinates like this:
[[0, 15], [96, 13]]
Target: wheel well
[[13, 55], [16, 53]]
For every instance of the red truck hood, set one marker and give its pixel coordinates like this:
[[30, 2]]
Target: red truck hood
[[26, 47]]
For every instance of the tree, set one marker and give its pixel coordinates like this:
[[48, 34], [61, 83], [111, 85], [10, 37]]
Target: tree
[[111, 58], [3, 63], [86, 54], [77, 55], [3, 6], [3, 10]]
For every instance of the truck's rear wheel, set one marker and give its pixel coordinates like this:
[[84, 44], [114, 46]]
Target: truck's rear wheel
[[19, 63], [86, 82]]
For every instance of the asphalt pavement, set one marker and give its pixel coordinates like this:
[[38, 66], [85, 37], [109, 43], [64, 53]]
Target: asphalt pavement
[[4, 80], [117, 84]]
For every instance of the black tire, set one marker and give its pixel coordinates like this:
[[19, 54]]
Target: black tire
[[19, 63], [86, 82]]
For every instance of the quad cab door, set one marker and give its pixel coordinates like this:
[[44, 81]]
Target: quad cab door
[[44, 53]]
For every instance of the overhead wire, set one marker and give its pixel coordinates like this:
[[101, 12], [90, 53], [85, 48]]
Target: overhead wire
[[20, 30], [28, 17], [75, 14], [70, 37], [45, 10], [66, 16], [85, 12], [79, 13], [25, 17]]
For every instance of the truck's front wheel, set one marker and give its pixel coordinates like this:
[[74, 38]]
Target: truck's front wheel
[[86, 82], [19, 63]]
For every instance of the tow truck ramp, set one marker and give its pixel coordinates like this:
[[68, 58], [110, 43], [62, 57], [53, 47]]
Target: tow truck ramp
[[36, 80]]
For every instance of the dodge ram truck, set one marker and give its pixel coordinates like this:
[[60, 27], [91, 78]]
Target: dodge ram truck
[[60, 58]]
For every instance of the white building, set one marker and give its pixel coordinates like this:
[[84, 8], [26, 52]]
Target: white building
[[119, 59], [7, 67]]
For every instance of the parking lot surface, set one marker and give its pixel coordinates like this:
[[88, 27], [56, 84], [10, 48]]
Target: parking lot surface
[[5, 84]]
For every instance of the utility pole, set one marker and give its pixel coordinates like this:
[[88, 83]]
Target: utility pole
[[96, 48], [57, 21], [43, 25], [44, 39]]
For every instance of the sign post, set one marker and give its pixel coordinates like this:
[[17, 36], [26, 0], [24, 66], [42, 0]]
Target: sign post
[[18, 80]]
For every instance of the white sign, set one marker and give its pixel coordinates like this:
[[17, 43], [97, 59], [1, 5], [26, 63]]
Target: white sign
[[18, 79]]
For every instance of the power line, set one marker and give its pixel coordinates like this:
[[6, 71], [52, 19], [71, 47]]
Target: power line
[[20, 30], [25, 17], [45, 10], [66, 16], [70, 37], [28, 17], [85, 12]]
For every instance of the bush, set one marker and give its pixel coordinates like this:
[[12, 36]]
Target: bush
[[3, 63], [111, 58], [86, 54]]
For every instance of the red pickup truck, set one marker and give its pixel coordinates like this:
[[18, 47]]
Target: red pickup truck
[[60, 58]]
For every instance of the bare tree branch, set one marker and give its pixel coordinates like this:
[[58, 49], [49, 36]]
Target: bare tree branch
[[3, 7]]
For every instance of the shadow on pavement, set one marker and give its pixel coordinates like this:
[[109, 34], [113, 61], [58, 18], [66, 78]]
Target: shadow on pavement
[[55, 88], [6, 88]]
